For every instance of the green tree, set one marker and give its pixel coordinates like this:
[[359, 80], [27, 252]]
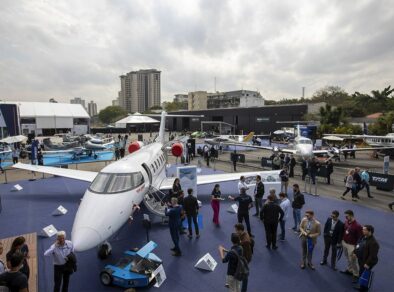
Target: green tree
[[174, 106], [383, 125], [333, 95], [111, 114], [330, 116]]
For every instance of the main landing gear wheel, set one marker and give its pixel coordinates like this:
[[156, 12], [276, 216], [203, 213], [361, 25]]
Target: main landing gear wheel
[[104, 250], [105, 278]]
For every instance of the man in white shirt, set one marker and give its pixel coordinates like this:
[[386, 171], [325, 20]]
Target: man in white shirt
[[59, 251], [242, 184], [285, 205]]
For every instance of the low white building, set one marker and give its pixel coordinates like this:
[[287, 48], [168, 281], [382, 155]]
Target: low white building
[[44, 118]]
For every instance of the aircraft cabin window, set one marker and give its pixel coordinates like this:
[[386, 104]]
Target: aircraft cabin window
[[109, 183]]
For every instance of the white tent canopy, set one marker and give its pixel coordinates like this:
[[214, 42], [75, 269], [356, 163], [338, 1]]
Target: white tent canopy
[[134, 119]]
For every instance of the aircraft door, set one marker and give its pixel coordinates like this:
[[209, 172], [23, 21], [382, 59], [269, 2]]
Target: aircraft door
[[149, 173]]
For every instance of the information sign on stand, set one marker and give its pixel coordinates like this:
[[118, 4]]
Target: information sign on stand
[[386, 164], [48, 231], [233, 208], [206, 263], [188, 178], [59, 211], [160, 276]]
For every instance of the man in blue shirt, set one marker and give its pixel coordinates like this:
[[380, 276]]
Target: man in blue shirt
[[365, 182], [174, 220], [59, 252]]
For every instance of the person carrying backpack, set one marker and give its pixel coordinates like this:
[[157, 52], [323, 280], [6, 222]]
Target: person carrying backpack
[[237, 269], [247, 244]]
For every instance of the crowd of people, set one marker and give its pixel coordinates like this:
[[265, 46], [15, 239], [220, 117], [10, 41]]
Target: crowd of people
[[357, 242]]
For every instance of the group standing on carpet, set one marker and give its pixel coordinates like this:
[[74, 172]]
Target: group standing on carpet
[[358, 243]]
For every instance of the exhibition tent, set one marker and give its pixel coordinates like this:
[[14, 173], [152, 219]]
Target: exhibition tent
[[135, 119]]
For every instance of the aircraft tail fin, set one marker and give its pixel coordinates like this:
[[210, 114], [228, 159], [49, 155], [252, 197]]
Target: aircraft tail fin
[[163, 116], [248, 137], [162, 129]]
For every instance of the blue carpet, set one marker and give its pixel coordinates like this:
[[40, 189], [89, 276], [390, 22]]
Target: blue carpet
[[30, 209]]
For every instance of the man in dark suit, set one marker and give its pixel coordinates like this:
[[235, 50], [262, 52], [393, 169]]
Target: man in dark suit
[[190, 205], [333, 232], [271, 214], [367, 254], [258, 195], [173, 211]]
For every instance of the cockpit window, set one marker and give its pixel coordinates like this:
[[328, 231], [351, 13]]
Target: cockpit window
[[305, 142], [109, 183]]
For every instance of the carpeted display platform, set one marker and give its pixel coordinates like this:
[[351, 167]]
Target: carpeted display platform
[[30, 210]]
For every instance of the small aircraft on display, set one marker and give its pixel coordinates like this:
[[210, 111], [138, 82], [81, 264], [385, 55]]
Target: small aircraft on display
[[372, 140], [227, 139], [302, 147], [115, 191]]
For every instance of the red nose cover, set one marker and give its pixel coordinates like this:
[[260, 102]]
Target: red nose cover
[[134, 147], [177, 149]]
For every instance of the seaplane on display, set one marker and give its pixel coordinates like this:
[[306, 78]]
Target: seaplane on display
[[115, 191], [89, 148], [5, 148]]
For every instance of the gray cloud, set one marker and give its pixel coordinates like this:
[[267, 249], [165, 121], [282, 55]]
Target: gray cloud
[[73, 48]]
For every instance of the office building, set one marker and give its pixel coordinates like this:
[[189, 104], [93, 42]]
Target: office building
[[201, 100]]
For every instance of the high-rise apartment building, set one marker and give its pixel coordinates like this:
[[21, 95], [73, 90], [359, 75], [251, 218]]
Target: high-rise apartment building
[[140, 90], [92, 108], [78, 100]]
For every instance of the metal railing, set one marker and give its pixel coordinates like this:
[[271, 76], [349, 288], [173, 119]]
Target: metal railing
[[308, 182]]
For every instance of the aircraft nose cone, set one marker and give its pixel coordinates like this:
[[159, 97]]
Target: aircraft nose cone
[[85, 238]]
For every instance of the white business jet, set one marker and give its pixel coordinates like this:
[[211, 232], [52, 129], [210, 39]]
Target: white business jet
[[119, 187]]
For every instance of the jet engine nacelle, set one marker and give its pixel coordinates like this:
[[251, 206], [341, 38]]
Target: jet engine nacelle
[[135, 146], [177, 149]]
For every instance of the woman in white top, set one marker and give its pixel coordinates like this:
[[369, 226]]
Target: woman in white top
[[348, 184]]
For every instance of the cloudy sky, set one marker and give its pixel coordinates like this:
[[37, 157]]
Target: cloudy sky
[[68, 48]]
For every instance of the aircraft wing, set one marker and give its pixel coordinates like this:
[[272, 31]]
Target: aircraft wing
[[273, 149], [270, 176], [365, 149], [64, 172]]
